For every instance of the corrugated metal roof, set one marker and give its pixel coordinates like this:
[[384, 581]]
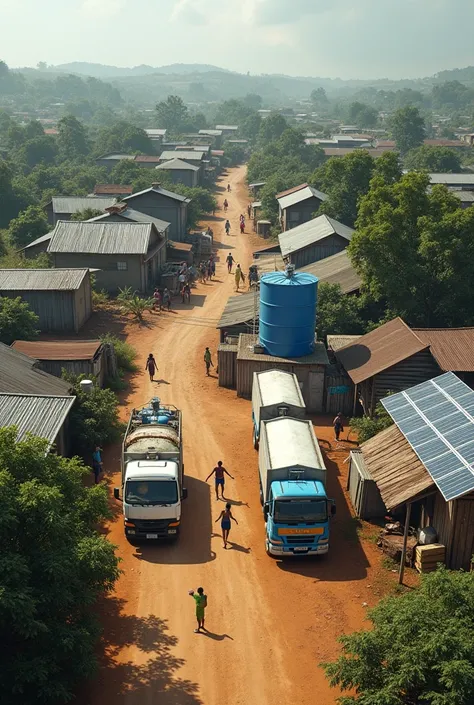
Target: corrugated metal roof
[[239, 309], [288, 191], [101, 238], [158, 132], [73, 204], [257, 204], [116, 156], [18, 375], [452, 348], [395, 467], [130, 214], [313, 231], [247, 341], [112, 188], [336, 269], [58, 349], [42, 416], [336, 342], [182, 246], [273, 262], [41, 279], [38, 241], [178, 164], [380, 349], [464, 196], [453, 179], [161, 192], [227, 127], [212, 133], [147, 158], [300, 195], [190, 155]]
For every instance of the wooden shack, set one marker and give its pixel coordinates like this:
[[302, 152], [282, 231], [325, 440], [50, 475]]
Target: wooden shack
[[227, 364]]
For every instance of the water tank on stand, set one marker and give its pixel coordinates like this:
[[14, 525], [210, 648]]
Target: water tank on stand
[[288, 312]]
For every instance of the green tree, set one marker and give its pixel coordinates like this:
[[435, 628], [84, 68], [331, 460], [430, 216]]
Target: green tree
[[29, 225], [94, 417], [272, 127], [253, 101], [420, 648], [434, 159], [338, 313], [172, 113], [54, 567], [368, 426], [202, 202], [72, 138], [123, 137], [232, 112], [250, 127], [362, 115], [415, 251], [319, 98], [407, 128], [11, 201], [17, 320], [38, 150]]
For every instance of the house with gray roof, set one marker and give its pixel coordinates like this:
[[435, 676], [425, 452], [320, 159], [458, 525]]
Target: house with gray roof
[[61, 298], [63, 207], [182, 172], [164, 205], [125, 254], [188, 154], [313, 241], [455, 181], [112, 159], [21, 374], [122, 213], [298, 205]]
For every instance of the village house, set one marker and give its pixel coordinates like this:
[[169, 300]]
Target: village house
[[298, 205], [336, 269], [122, 213], [124, 254], [21, 374], [182, 172], [76, 357], [61, 298], [63, 207], [187, 154], [314, 240], [164, 205]]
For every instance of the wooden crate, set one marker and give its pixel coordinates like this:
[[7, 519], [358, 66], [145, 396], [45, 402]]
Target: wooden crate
[[428, 557]]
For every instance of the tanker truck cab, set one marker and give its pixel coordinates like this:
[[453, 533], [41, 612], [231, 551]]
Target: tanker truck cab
[[297, 518], [152, 499]]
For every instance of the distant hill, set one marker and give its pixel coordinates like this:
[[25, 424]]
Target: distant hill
[[103, 71]]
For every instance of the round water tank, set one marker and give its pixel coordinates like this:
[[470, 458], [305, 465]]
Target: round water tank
[[87, 386], [288, 313]]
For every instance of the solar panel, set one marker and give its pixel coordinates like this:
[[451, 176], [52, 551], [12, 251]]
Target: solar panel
[[437, 419]]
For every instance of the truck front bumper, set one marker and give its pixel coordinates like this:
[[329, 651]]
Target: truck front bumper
[[281, 550], [139, 531]]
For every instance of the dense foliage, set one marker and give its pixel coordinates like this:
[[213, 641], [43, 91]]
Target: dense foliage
[[54, 566], [368, 426], [434, 159], [420, 648], [17, 320], [338, 314]]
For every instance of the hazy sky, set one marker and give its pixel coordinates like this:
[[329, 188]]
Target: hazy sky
[[346, 38]]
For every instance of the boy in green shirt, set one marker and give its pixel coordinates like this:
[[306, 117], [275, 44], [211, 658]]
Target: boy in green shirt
[[201, 603]]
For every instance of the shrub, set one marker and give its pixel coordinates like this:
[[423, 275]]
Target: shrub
[[17, 321], [124, 352], [367, 426]]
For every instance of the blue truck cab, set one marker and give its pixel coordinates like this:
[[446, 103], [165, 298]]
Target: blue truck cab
[[292, 476], [297, 516]]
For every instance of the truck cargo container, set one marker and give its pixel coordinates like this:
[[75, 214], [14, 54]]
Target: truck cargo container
[[275, 393]]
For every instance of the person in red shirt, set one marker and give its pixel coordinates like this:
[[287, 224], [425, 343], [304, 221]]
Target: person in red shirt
[[219, 472]]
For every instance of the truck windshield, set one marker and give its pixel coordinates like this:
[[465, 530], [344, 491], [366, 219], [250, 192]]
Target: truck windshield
[[300, 511], [151, 492]]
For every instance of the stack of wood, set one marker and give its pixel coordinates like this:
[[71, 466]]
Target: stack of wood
[[428, 557]]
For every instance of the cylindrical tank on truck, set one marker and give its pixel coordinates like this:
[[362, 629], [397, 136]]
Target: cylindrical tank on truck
[[293, 489], [152, 473]]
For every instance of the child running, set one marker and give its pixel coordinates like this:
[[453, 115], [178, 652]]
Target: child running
[[225, 516]]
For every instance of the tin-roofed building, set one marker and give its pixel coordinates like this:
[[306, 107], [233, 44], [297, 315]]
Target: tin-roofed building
[[61, 298], [124, 254], [164, 205], [336, 269], [63, 207], [314, 240], [112, 159], [463, 182], [21, 374], [298, 205], [39, 415], [188, 154], [122, 213], [182, 172]]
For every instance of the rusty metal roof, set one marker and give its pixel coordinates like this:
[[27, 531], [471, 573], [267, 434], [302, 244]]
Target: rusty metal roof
[[18, 375], [395, 467], [58, 349], [380, 349], [452, 348], [40, 415], [147, 158], [247, 341], [112, 189]]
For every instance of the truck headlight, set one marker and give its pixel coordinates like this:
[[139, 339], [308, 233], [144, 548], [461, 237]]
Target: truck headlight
[[129, 523], [173, 523], [323, 540], [276, 541]]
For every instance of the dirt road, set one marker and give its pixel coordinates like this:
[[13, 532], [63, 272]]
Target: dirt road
[[270, 622]]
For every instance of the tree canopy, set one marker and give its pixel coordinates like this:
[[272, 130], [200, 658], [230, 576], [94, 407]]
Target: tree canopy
[[420, 648], [408, 128], [54, 566], [172, 114], [434, 159], [29, 225], [338, 313], [17, 320]]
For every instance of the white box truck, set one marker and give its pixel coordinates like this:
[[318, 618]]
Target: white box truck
[[275, 393]]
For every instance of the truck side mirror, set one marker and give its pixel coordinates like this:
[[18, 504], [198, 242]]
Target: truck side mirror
[[266, 509], [185, 493], [333, 510], [117, 492]]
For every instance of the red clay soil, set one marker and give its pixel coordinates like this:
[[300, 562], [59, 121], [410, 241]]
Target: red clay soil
[[270, 622]]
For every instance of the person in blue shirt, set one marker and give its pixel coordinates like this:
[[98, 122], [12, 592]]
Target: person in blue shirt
[[97, 463]]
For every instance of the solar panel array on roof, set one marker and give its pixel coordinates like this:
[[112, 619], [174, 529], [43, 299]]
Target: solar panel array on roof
[[437, 419]]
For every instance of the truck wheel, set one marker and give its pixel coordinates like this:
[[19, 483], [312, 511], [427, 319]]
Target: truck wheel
[[261, 495], [255, 439]]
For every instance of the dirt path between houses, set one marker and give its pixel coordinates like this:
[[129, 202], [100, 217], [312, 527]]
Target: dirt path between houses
[[270, 622]]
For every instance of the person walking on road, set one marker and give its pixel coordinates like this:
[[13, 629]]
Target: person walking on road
[[230, 261], [226, 516], [220, 472], [228, 188], [239, 275], [97, 463], [338, 426], [201, 603], [151, 366], [249, 210], [227, 227], [167, 299], [208, 361], [186, 293], [157, 300], [226, 205]]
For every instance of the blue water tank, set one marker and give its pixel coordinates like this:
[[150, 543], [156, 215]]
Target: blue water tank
[[288, 313]]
